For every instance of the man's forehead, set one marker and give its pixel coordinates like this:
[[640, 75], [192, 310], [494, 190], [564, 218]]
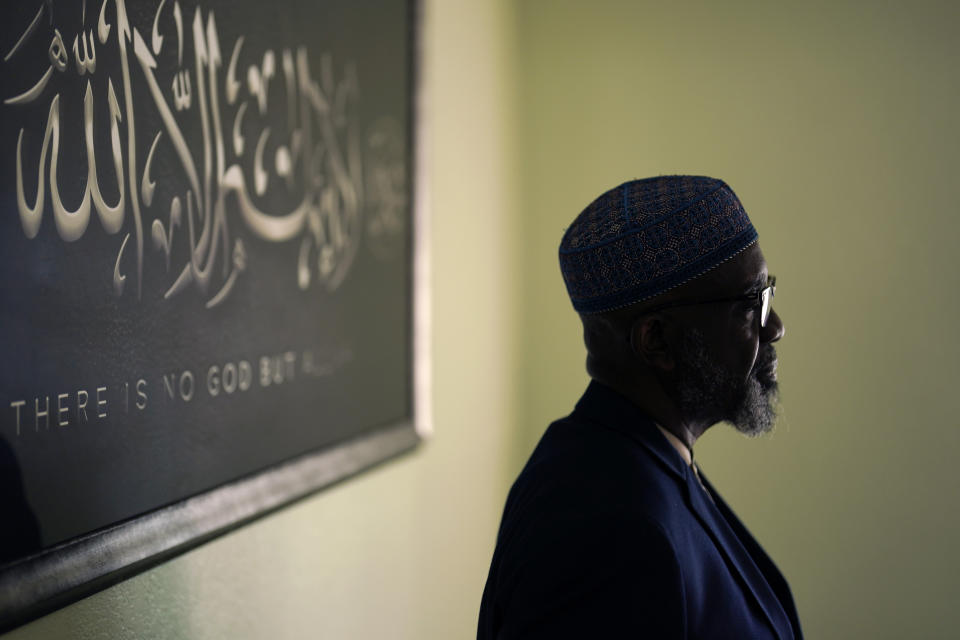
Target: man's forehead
[[747, 269], [742, 273]]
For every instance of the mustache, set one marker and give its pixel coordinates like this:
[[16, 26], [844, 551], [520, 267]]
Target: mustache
[[764, 370], [766, 357]]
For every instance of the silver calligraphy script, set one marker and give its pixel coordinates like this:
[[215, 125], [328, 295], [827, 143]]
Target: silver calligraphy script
[[315, 139]]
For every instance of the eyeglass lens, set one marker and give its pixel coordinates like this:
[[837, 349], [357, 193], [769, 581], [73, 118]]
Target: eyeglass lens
[[765, 303]]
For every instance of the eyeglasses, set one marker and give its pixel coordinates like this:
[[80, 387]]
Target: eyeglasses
[[762, 300]]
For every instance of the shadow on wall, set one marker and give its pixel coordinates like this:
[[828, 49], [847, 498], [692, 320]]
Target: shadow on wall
[[20, 532]]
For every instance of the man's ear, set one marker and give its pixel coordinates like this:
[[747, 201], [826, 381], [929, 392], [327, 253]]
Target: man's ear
[[650, 339]]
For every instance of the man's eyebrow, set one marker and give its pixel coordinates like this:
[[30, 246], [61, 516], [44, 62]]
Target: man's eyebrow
[[758, 282]]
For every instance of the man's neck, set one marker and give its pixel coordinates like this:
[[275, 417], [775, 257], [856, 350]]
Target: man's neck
[[685, 452], [656, 403]]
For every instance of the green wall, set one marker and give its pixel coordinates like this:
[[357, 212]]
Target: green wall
[[836, 123]]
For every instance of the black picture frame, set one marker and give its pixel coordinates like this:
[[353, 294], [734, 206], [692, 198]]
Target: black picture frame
[[39, 583]]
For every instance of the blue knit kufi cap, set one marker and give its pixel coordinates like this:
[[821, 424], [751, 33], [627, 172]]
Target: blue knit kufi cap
[[648, 236]]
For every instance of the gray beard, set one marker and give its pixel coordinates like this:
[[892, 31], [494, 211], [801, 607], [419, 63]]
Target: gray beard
[[708, 391]]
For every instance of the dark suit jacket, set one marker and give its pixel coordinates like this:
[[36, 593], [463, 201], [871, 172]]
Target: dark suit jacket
[[608, 534]]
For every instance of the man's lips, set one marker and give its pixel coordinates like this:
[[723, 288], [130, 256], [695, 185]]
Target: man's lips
[[766, 366]]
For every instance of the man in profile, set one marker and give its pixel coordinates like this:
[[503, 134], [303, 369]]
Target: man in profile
[[611, 531]]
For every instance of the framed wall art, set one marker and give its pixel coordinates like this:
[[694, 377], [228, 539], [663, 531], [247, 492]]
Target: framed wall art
[[211, 258]]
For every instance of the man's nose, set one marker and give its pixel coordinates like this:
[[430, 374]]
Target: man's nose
[[774, 329]]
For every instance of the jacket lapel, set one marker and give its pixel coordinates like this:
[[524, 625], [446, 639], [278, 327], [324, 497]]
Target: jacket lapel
[[737, 556], [774, 578]]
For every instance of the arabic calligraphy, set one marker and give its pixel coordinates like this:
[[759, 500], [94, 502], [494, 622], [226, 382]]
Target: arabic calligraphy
[[279, 147]]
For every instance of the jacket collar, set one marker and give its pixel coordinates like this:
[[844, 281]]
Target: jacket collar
[[602, 405]]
